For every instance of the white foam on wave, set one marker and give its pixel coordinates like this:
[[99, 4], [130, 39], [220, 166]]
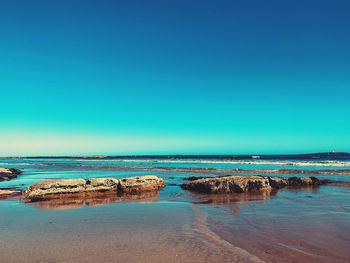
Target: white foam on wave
[[253, 162], [239, 162]]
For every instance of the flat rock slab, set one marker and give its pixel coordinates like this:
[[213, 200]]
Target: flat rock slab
[[101, 184], [134, 185], [5, 193], [242, 184], [65, 188], [47, 189]]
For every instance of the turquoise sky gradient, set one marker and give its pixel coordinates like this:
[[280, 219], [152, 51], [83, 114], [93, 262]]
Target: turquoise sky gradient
[[174, 77]]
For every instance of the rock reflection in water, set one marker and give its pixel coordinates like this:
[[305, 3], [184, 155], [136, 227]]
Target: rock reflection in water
[[96, 199], [59, 204], [226, 199], [308, 188], [233, 201]]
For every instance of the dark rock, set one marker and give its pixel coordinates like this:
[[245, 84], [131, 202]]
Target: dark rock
[[277, 182], [8, 173], [296, 181], [315, 181]]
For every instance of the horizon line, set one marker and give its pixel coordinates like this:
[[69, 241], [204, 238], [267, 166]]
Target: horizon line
[[165, 155]]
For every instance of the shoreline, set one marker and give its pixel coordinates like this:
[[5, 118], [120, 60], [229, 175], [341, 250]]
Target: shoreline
[[201, 170], [316, 156]]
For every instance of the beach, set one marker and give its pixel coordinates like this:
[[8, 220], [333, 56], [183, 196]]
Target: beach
[[304, 224], [174, 131]]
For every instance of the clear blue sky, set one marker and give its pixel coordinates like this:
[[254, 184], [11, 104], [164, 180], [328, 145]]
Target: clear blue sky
[[174, 77]]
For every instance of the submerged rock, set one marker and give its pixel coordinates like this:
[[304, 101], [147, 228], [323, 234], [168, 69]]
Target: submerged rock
[[8, 173], [241, 184], [5, 193], [65, 188]]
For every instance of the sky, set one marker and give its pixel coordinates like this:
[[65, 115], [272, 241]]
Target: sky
[[174, 77]]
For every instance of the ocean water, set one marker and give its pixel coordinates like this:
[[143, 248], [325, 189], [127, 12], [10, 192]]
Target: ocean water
[[310, 224]]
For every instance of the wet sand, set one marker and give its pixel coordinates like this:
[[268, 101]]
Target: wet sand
[[290, 224], [287, 234], [153, 232]]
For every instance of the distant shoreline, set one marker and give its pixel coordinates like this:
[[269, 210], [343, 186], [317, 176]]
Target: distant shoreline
[[321, 155]]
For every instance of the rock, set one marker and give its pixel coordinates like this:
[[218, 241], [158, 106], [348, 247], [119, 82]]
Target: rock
[[277, 182], [315, 181], [77, 188], [134, 185], [48, 189], [101, 184], [8, 173], [241, 184], [228, 184], [295, 181], [5, 193]]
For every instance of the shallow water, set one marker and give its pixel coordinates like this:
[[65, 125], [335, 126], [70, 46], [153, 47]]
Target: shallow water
[[291, 225]]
